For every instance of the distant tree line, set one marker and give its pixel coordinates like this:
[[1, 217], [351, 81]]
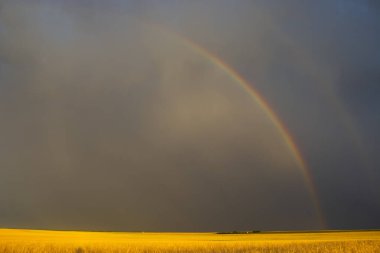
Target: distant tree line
[[239, 232]]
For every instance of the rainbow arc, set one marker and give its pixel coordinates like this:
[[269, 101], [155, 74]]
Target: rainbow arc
[[264, 106]]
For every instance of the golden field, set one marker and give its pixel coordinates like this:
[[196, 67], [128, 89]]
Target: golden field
[[43, 241]]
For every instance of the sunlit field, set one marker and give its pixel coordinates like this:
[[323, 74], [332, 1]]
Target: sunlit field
[[30, 241]]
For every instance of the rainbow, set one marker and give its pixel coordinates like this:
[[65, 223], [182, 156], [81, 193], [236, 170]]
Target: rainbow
[[265, 107]]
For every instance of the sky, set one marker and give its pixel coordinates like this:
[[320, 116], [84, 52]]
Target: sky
[[134, 116]]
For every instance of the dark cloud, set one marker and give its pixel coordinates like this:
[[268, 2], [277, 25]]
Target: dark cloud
[[110, 122]]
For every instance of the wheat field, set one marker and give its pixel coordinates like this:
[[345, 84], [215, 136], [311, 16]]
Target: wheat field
[[43, 241]]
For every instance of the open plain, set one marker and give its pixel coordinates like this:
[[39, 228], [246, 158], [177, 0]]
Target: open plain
[[43, 241]]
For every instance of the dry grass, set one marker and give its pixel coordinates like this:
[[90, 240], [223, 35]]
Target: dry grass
[[34, 241]]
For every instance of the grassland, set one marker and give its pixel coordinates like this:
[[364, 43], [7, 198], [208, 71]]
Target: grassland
[[41, 241]]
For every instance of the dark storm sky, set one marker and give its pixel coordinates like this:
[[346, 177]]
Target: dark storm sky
[[110, 122]]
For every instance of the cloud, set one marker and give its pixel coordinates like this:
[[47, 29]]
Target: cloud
[[111, 124]]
